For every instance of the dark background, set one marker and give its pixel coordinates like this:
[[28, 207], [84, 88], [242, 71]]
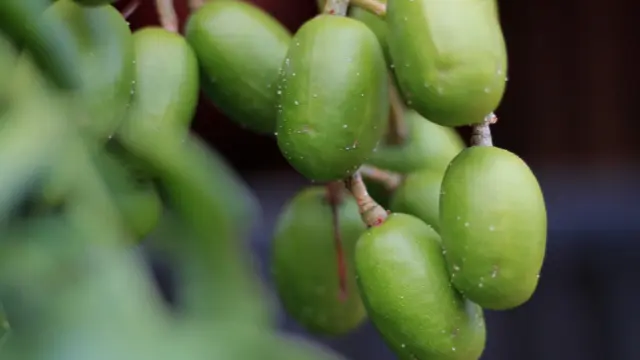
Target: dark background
[[570, 112]]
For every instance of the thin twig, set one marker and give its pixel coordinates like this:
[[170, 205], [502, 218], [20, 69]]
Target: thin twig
[[335, 197], [167, 14], [336, 7], [373, 6], [130, 8], [481, 133], [397, 132], [390, 180], [195, 4], [371, 212]]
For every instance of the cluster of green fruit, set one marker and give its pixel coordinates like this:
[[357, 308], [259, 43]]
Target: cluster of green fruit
[[346, 97], [466, 230]]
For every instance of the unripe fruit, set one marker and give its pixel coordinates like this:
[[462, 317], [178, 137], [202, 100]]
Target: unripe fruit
[[493, 224]]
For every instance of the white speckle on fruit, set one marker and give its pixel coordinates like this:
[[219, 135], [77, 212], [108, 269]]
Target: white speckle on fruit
[[345, 126], [491, 228], [466, 224], [296, 102]]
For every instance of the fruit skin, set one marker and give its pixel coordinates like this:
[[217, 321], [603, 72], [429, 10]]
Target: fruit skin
[[375, 23], [304, 263], [334, 98], [428, 146], [48, 40], [240, 48], [419, 195], [405, 286], [106, 62], [137, 200], [8, 58], [450, 58], [159, 104], [162, 103], [494, 227]]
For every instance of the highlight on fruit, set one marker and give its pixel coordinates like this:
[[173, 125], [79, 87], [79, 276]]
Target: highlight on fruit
[[403, 223]]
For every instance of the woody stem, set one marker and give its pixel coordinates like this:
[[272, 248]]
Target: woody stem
[[371, 212]]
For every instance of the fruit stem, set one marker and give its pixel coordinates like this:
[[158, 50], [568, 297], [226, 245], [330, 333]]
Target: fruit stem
[[371, 213], [167, 14], [336, 7], [130, 9], [397, 132], [389, 179], [481, 133], [196, 4], [373, 6], [335, 197]]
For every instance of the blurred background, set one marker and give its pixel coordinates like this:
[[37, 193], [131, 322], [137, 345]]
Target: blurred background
[[569, 112]]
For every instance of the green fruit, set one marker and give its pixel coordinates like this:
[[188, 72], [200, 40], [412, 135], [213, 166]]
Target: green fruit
[[240, 48], [47, 40], [137, 199], [494, 227], [8, 58], [106, 63], [450, 58], [166, 89], [419, 195], [405, 286], [305, 264], [428, 146], [334, 99]]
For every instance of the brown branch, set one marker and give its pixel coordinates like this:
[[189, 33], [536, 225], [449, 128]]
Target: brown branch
[[335, 197], [130, 9], [167, 14], [196, 4], [389, 179], [371, 212], [481, 133], [372, 6], [397, 132], [336, 7]]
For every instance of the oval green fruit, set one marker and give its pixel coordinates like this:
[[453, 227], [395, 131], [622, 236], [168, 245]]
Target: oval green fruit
[[160, 104], [8, 59], [48, 40], [304, 263], [450, 58], [403, 279], [137, 199], [428, 146], [106, 63], [165, 95], [493, 224], [334, 100], [240, 48], [419, 195]]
